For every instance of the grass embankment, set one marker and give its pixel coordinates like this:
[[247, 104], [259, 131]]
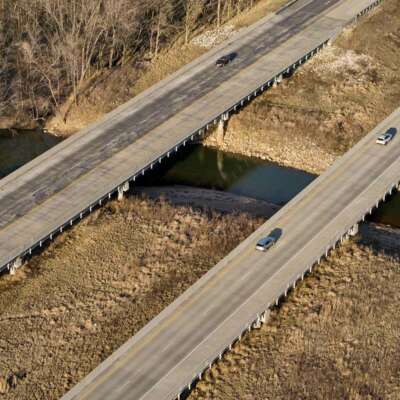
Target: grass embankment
[[330, 102], [98, 284]]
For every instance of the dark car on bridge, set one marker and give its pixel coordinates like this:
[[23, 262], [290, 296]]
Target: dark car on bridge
[[226, 59]]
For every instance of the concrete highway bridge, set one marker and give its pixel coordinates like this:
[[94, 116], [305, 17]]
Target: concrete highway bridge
[[164, 359], [47, 195], [170, 354]]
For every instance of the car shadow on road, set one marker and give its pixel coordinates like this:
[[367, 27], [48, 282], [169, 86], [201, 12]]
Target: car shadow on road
[[392, 131], [276, 233]]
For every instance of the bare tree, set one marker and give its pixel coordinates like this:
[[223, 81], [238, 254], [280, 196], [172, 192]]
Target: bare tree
[[50, 50], [193, 10], [219, 13]]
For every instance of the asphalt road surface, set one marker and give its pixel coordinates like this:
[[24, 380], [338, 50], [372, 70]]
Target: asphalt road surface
[[39, 198]]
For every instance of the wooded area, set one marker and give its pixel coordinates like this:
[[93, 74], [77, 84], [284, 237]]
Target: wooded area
[[50, 48]]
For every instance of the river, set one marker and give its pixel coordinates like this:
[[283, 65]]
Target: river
[[203, 167], [18, 148], [198, 166]]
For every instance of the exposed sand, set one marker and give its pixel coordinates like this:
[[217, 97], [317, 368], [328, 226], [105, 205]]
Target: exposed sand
[[114, 87], [336, 337], [208, 199]]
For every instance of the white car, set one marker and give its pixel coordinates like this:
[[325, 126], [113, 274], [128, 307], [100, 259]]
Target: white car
[[265, 243], [384, 139]]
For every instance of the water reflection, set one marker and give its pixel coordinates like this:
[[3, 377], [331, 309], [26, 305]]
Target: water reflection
[[200, 167], [209, 168]]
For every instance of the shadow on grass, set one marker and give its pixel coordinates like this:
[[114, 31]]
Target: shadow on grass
[[381, 239]]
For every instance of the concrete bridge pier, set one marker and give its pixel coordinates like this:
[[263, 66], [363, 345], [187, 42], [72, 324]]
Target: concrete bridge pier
[[221, 128], [277, 80], [122, 189], [17, 263], [262, 319], [353, 230]]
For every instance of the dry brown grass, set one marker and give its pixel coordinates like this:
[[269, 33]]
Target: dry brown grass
[[337, 336], [330, 102], [98, 284], [166, 64]]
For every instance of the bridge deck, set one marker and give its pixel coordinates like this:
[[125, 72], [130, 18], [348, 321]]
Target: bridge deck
[[55, 188]]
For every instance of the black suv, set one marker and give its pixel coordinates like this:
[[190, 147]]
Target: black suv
[[225, 59]]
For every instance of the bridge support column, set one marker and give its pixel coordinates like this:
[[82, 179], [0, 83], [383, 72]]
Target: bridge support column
[[15, 265], [354, 230], [277, 80], [262, 319], [122, 189], [221, 129]]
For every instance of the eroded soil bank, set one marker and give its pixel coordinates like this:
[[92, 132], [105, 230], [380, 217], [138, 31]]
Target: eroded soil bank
[[329, 103], [337, 336]]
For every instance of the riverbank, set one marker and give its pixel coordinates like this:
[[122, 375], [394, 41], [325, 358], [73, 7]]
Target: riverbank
[[335, 337], [97, 284], [329, 103], [18, 148], [207, 199]]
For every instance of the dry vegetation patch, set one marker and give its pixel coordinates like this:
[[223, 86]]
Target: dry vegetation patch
[[336, 337], [51, 51], [98, 284]]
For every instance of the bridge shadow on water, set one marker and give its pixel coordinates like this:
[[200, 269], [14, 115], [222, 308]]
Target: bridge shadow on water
[[202, 167], [388, 212], [380, 239], [382, 233]]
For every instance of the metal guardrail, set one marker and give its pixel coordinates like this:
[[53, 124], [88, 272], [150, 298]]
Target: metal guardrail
[[255, 320], [260, 316]]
